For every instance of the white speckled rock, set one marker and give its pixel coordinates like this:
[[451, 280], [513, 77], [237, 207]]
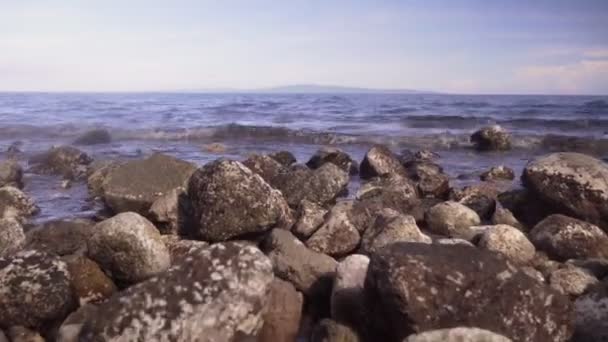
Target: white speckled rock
[[129, 248], [572, 280], [380, 161], [35, 290], [491, 138], [509, 242], [11, 174], [460, 334], [452, 219], [12, 237], [591, 315], [310, 218], [389, 227], [347, 301], [218, 293], [15, 204], [338, 236], [498, 173]]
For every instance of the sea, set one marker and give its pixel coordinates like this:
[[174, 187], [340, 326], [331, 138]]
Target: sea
[[185, 124]]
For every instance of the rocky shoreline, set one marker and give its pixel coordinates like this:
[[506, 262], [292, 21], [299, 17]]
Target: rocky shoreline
[[268, 249]]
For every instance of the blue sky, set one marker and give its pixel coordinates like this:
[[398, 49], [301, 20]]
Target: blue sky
[[515, 46]]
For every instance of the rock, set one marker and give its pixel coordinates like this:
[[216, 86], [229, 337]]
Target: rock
[[509, 242], [498, 173], [61, 237], [407, 156], [135, 185], [11, 174], [413, 287], [268, 168], [452, 219], [129, 248], [321, 186], [525, 206], [14, 149], [505, 216], [543, 264], [15, 204], [284, 158], [591, 315], [282, 318], [35, 290], [66, 184], [380, 161], [179, 249], [491, 138], [563, 238], [480, 197], [572, 280], [597, 267], [97, 174], [219, 293], [66, 161], [338, 236], [229, 200], [458, 334], [171, 212], [450, 242], [72, 325], [572, 184], [347, 300], [533, 273], [335, 156], [310, 272], [310, 217], [390, 227], [215, 148], [12, 237], [429, 178], [22, 334], [88, 281], [328, 330], [94, 137], [3, 337]]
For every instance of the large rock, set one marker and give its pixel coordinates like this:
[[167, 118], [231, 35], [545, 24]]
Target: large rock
[[35, 290], [284, 311], [429, 178], [572, 280], [268, 168], [61, 237], [479, 197], [310, 216], [11, 174], [347, 300], [180, 248], [390, 227], [88, 281], [591, 315], [218, 293], [229, 200], [66, 161], [22, 334], [498, 173], [338, 236], [12, 237], [96, 176], [284, 158], [321, 186], [328, 330], [508, 241], [135, 185], [72, 325], [452, 219], [310, 272], [571, 183], [491, 138], [15, 204], [129, 248], [563, 238], [335, 156], [413, 287], [380, 161], [171, 212], [525, 206], [459, 334], [94, 137], [505, 216]]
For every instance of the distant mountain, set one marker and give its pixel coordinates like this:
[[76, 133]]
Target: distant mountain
[[320, 89]]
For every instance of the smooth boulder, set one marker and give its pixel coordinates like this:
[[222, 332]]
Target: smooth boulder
[[389, 227], [61, 237], [491, 138], [347, 299], [452, 219], [335, 156], [509, 242], [380, 161]]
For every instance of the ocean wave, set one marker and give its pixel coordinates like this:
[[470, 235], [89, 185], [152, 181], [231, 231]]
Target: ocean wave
[[596, 104], [457, 121]]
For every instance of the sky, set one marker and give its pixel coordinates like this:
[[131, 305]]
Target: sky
[[454, 46]]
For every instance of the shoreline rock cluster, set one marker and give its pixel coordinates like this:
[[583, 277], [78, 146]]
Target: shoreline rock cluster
[[268, 249]]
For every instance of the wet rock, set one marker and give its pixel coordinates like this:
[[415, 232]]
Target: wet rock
[[264, 166], [564, 238], [12, 237], [129, 248], [15, 204], [171, 212], [591, 315], [413, 287], [491, 138], [135, 185], [390, 227], [505, 216], [11, 174], [229, 200], [459, 334], [328, 330], [509, 242], [284, 311], [284, 158], [88, 281], [321, 186], [61, 237], [452, 219], [66, 161], [380, 161], [180, 248], [347, 300], [94, 137], [429, 178], [35, 290], [218, 293], [571, 183], [310, 272], [335, 156], [498, 173], [310, 217], [98, 171], [480, 197], [72, 325], [572, 280], [597, 267], [22, 334], [338, 236], [407, 156]]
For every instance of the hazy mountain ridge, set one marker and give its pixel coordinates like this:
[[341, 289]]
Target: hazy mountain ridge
[[314, 89]]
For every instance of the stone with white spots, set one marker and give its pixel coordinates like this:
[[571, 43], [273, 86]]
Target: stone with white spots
[[380, 161], [452, 219], [491, 138], [11, 174], [509, 242], [389, 227], [12, 237], [338, 236], [16, 204], [572, 280], [310, 217]]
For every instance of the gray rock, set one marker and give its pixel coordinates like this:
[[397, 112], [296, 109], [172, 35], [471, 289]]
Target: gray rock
[[508, 241], [218, 293], [335, 156], [498, 173], [591, 315], [283, 315], [265, 166], [380, 161], [390, 227], [94, 137], [135, 185], [413, 287], [347, 300], [96, 176], [564, 238], [11, 174], [505, 216], [35, 290], [338, 236], [22, 334], [596, 266], [284, 158], [12, 237], [310, 216], [524, 205], [452, 219], [328, 330], [89, 283], [129, 248], [171, 212], [229, 200], [66, 161], [459, 334], [321, 186], [491, 138], [479, 197], [180, 248], [429, 178], [572, 280], [571, 183], [16, 204], [72, 325], [61, 237]]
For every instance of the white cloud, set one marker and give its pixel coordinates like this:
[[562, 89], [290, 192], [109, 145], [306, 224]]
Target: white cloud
[[585, 76]]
